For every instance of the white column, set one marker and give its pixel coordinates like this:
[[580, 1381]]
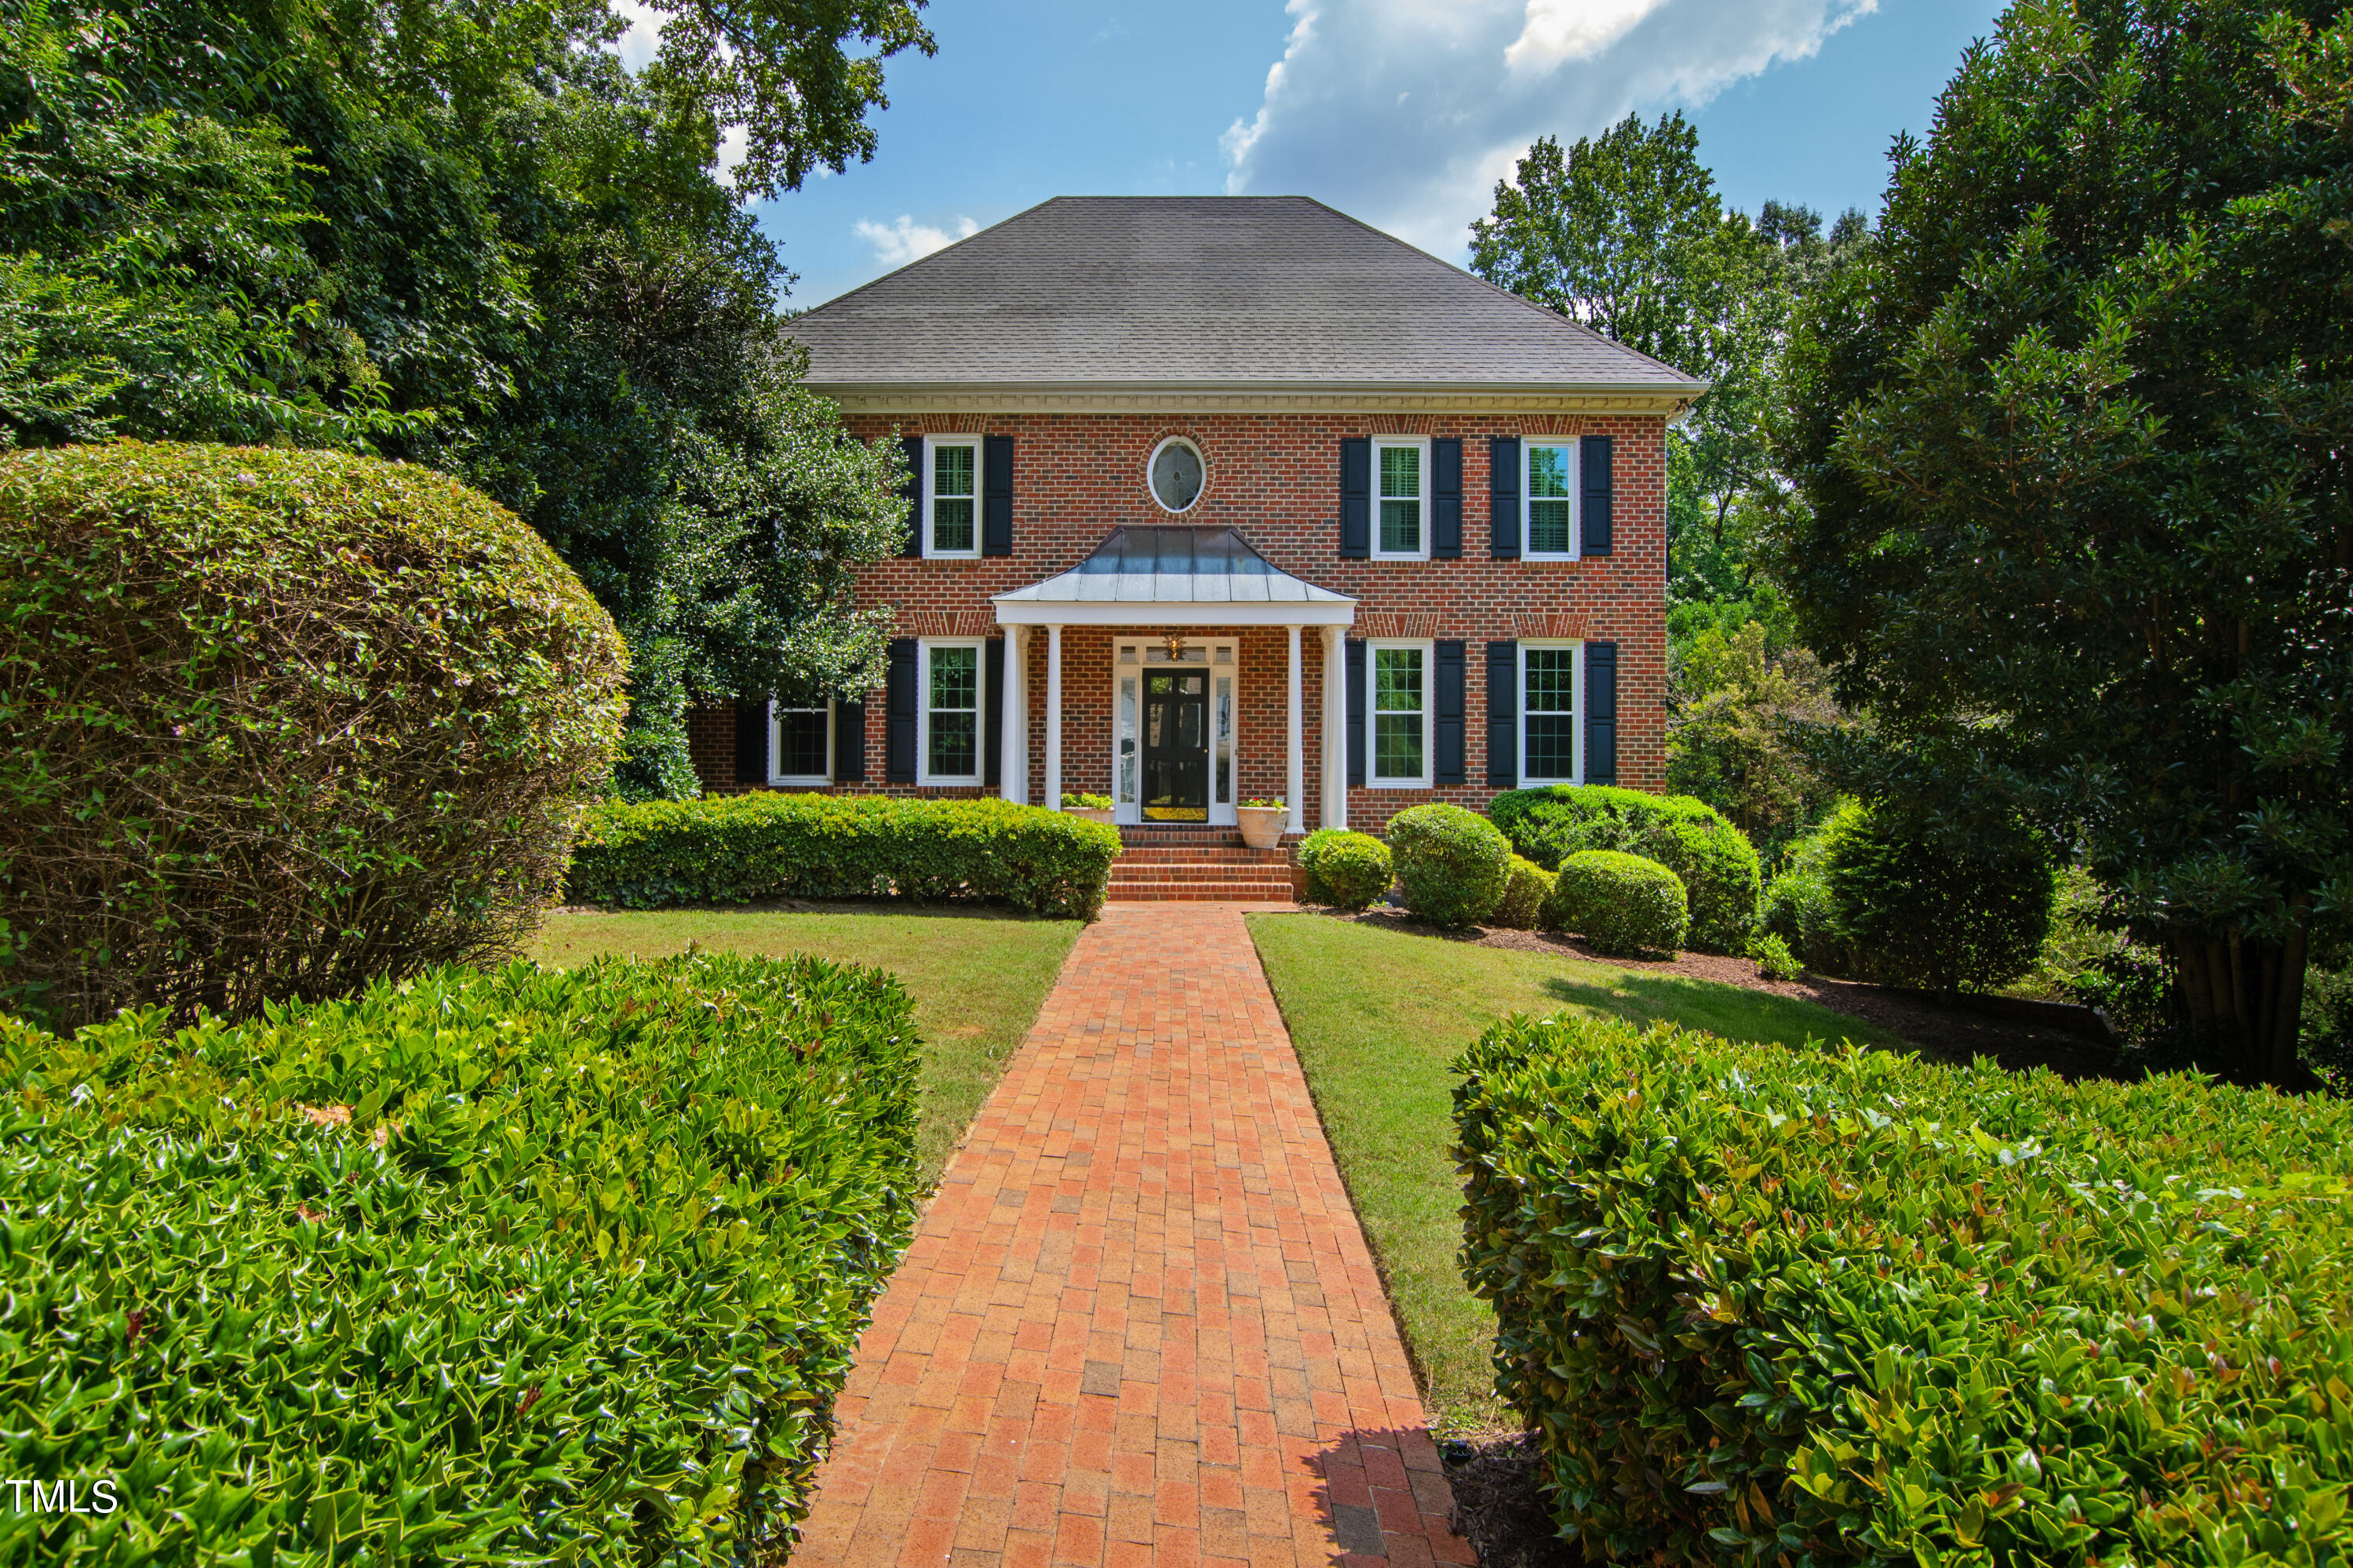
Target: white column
[[1014, 786], [1053, 801], [1335, 730], [1295, 779]]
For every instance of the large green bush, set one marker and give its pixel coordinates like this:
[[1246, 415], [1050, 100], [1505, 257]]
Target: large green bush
[[1347, 870], [1452, 864], [734, 849], [1716, 863], [516, 1267], [1764, 1306], [1524, 895], [1797, 907], [1622, 904], [275, 723]]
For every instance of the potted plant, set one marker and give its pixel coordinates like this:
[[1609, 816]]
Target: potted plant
[[1262, 822], [1087, 807]]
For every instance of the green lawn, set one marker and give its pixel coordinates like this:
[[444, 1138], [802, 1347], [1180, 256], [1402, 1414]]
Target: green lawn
[[1377, 1016], [978, 979]]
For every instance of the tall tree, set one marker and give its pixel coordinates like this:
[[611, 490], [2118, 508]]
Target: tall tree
[[2075, 436]]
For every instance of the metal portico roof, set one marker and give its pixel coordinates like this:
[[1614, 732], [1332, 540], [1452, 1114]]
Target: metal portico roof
[[1162, 574]]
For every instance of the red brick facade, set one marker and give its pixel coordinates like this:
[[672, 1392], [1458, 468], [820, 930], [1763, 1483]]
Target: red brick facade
[[1276, 478]]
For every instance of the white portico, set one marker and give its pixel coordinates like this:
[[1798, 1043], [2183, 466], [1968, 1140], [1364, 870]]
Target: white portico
[[1175, 693]]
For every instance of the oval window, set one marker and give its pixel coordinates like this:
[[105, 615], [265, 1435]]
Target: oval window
[[1176, 473]]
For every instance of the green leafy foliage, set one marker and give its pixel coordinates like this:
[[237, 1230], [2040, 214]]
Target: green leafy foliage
[[520, 1266], [1623, 904], [1452, 864], [734, 850], [1714, 859], [1346, 870], [1797, 907], [1774, 959], [2071, 435], [1818, 1306], [279, 723], [1523, 896], [1740, 702], [1078, 800], [1917, 908]]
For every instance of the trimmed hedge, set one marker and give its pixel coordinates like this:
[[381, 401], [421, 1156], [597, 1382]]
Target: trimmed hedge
[[1622, 904], [1716, 863], [1765, 1306], [1346, 870], [1452, 864], [1523, 896], [734, 849], [518, 1267], [278, 724]]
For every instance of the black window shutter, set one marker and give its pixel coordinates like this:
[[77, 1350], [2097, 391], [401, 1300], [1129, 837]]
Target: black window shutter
[[1503, 497], [849, 743], [899, 751], [996, 496], [1593, 463], [1601, 712], [1502, 715], [1446, 498], [912, 494], [750, 742], [993, 701], [1355, 712], [1448, 769], [1356, 498]]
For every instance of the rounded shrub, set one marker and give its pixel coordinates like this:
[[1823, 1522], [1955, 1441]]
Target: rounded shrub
[[1797, 907], [1346, 870], [278, 723], [1452, 864], [1524, 895], [1621, 903], [1917, 908], [1715, 859]]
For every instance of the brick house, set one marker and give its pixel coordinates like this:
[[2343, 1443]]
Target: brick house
[[1219, 498]]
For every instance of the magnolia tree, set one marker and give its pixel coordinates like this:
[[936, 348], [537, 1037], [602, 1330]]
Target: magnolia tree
[[2074, 437]]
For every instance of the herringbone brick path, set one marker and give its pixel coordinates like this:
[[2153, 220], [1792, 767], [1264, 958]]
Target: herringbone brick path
[[1139, 1324]]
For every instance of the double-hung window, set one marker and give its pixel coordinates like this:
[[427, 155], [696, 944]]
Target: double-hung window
[[1550, 490], [951, 496], [801, 745], [950, 741], [1400, 675], [1401, 481], [1548, 714]]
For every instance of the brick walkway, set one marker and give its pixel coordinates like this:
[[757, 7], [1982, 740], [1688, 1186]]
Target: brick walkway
[[1139, 1324]]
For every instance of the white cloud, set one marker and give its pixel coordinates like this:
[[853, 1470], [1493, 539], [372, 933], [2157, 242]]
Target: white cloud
[[897, 244], [637, 46], [1405, 112]]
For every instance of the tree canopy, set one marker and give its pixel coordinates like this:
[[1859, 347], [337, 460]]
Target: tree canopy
[[2073, 435]]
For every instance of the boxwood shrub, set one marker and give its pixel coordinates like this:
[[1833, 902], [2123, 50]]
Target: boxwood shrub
[[1452, 864], [1716, 863], [1524, 895], [1347, 870], [734, 850], [1770, 1306], [516, 1267], [1622, 904]]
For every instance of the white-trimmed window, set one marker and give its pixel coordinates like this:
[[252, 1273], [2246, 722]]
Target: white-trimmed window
[[1400, 497], [1551, 743], [800, 744], [1399, 675], [951, 496], [1549, 491], [949, 744]]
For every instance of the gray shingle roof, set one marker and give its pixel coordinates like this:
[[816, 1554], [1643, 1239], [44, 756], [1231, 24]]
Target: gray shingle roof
[[1224, 291]]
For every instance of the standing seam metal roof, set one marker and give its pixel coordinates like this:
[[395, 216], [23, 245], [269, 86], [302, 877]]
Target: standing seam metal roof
[[1174, 565], [1208, 291]]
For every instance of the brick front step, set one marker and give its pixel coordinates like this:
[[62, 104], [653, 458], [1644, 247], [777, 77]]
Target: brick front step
[[1197, 863], [1202, 854]]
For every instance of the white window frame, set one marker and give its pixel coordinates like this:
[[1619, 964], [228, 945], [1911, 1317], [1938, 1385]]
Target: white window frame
[[931, 444], [1529, 780], [1575, 448], [925, 647], [1421, 444], [776, 774], [1373, 650]]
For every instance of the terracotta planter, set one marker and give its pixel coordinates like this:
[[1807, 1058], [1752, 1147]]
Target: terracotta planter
[[1261, 824], [1088, 813]]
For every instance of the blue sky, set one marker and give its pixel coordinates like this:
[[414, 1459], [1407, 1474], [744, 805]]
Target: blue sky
[[1402, 112]]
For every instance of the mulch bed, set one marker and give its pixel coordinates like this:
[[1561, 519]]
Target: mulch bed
[[1936, 1028]]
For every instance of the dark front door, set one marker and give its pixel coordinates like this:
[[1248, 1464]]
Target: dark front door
[[1175, 747]]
